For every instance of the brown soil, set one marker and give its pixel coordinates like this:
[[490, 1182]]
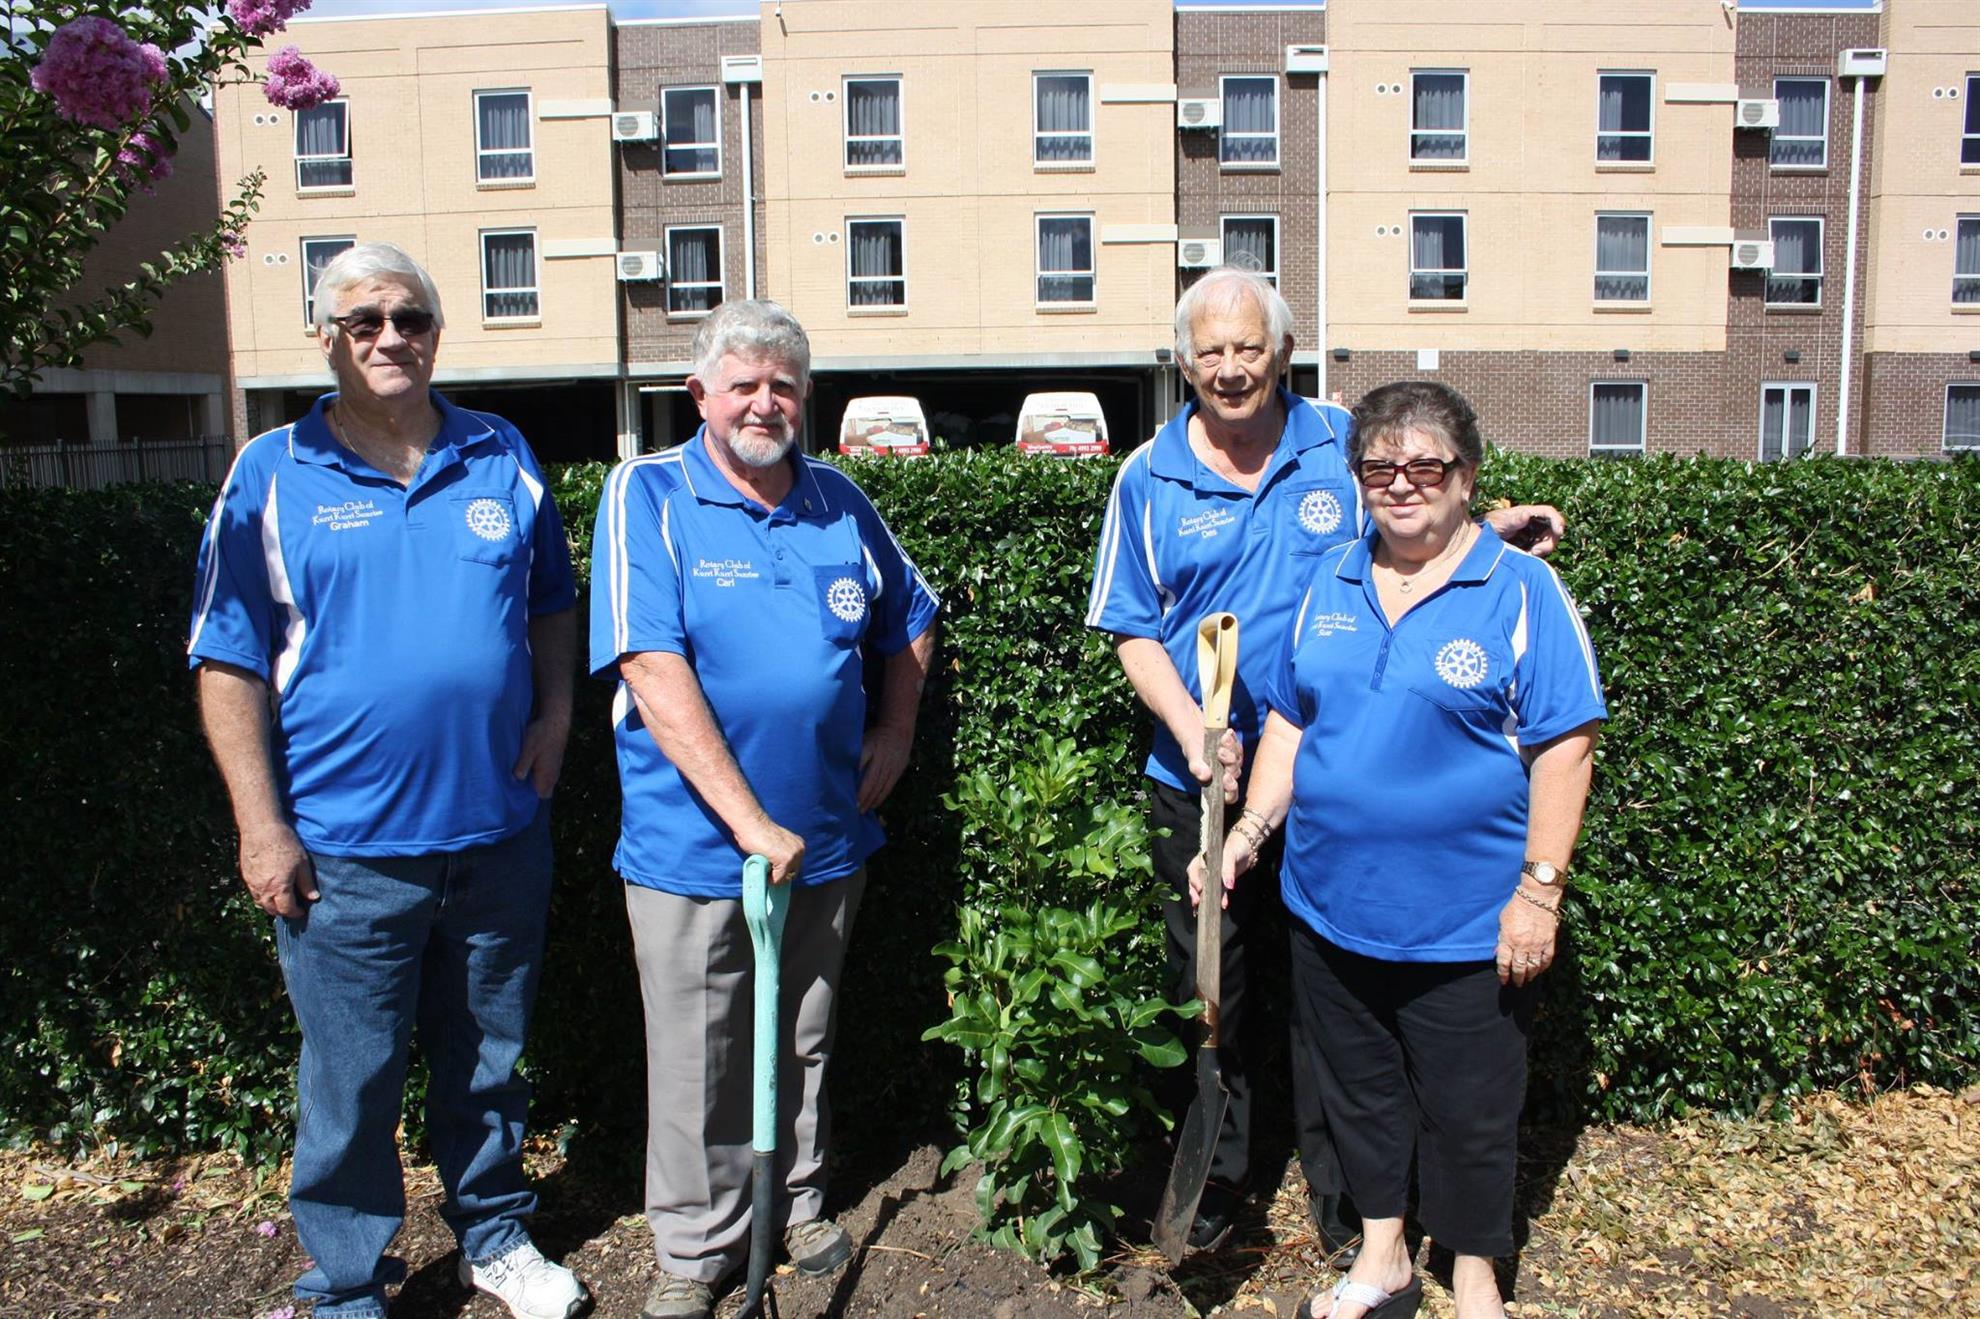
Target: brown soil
[[1842, 1209]]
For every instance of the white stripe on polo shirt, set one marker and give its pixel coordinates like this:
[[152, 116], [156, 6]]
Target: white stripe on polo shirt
[[1509, 727], [211, 579], [280, 591], [1110, 538], [1163, 594], [614, 511]]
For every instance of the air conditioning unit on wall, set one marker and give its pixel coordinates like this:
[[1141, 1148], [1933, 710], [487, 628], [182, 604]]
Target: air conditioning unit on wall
[[1755, 112], [1199, 112], [1199, 253], [1752, 254], [633, 126], [639, 267], [1862, 62]]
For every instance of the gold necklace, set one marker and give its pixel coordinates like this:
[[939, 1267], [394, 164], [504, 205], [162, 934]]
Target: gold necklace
[[1460, 542]]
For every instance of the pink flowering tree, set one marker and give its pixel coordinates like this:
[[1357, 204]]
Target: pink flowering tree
[[93, 96]]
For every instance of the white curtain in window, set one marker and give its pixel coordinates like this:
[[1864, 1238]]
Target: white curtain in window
[[1622, 255], [1065, 246], [1436, 244], [1624, 107], [691, 135], [505, 129], [1065, 106], [1248, 245], [1617, 420], [1963, 417], [1786, 423], [509, 274], [876, 265], [1438, 117], [1804, 115], [1969, 147], [1250, 106], [320, 132], [1794, 248], [691, 260], [315, 257], [1966, 262], [873, 109]]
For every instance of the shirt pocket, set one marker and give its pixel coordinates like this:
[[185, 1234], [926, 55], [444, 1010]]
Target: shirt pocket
[[1318, 515], [843, 602], [485, 528]]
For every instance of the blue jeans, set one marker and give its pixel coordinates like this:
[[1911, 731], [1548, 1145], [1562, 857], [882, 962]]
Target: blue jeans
[[453, 941]]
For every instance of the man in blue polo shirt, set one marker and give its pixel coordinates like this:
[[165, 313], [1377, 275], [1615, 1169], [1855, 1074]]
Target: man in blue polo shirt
[[737, 587], [384, 638], [1229, 508]]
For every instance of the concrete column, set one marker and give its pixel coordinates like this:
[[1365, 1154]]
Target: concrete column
[[101, 407]]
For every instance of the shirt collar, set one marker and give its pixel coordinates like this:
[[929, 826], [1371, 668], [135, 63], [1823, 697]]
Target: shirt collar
[[806, 498], [310, 440], [1307, 427], [1476, 565]]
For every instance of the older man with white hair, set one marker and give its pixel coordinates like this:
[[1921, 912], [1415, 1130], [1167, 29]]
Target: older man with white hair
[[384, 637], [1228, 508], [737, 587]]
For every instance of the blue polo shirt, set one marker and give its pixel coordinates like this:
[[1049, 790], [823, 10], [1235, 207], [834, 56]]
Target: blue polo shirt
[[392, 625], [773, 609], [1179, 542], [1408, 821]]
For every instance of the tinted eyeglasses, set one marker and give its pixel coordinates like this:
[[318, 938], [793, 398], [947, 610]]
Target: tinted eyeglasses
[[369, 323], [1417, 471]]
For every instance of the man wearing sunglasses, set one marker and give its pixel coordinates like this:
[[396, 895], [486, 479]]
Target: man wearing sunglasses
[[1228, 508], [384, 636]]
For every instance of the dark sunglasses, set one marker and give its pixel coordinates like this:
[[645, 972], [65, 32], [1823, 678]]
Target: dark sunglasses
[[1418, 471], [411, 322]]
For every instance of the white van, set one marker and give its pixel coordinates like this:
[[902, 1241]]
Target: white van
[[1062, 425], [884, 425]]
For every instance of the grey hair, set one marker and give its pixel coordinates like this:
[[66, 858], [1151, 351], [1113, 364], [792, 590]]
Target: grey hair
[[1417, 405], [752, 328], [354, 265], [1225, 289]]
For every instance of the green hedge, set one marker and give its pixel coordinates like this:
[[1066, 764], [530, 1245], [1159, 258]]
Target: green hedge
[[1776, 890]]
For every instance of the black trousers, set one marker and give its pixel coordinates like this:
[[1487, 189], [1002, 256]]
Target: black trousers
[[1256, 899], [1426, 1058]]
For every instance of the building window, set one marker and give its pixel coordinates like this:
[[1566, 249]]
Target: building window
[[1065, 259], [1616, 411], [323, 146], [1802, 140], [694, 269], [1796, 277], [316, 254], [508, 275], [1438, 113], [1437, 271], [1251, 242], [1787, 421], [1622, 258], [690, 133], [502, 138], [876, 263], [1061, 118], [1966, 260], [874, 137], [1969, 141], [1962, 431], [1622, 117], [1250, 136]]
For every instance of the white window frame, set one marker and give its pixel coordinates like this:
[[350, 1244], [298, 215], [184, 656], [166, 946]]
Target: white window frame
[[1648, 134], [482, 153], [1463, 133], [856, 308], [309, 292], [1092, 145], [1223, 235], [1945, 420], [1465, 270], [1964, 276], [1642, 388], [1806, 386], [1278, 122], [342, 103], [719, 283], [1600, 274], [534, 288], [1969, 143], [845, 124], [1777, 137], [715, 94], [1819, 275], [1039, 273]]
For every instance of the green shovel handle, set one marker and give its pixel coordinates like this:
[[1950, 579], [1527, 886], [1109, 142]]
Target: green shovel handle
[[764, 908]]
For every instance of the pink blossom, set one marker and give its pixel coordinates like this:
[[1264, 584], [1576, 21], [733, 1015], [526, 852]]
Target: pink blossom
[[233, 244], [259, 18], [97, 74], [265, 1228], [296, 84], [144, 156]]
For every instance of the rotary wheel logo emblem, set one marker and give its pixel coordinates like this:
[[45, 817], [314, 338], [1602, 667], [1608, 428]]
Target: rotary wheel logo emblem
[[487, 519], [847, 599], [1320, 512], [1462, 663]]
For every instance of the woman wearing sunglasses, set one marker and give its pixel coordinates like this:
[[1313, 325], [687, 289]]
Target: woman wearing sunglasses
[[1429, 750]]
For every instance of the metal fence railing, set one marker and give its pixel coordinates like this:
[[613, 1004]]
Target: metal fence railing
[[96, 466]]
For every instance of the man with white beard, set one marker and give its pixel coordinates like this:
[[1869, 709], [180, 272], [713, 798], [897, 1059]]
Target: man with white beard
[[736, 589]]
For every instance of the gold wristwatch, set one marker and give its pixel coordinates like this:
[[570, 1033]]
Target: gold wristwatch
[[1544, 873]]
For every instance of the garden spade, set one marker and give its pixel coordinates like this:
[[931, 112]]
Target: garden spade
[[764, 907], [1216, 672]]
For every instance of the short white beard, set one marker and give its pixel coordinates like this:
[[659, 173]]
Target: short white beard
[[752, 452]]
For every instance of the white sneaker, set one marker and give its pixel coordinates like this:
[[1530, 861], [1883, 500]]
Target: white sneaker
[[530, 1285]]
